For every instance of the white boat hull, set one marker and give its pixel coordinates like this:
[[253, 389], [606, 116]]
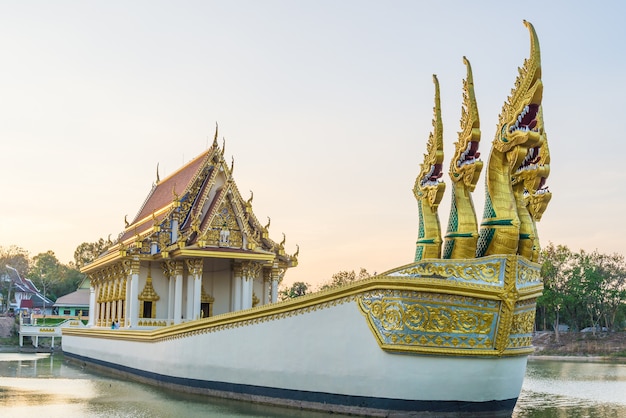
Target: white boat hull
[[319, 352]]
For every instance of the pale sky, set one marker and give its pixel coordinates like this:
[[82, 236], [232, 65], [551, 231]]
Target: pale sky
[[326, 107]]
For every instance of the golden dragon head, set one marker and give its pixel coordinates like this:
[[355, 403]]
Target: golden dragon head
[[465, 165], [428, 185], [533, 173], [517, 129]]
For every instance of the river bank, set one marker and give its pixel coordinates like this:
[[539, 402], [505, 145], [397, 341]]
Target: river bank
[[581, 345]]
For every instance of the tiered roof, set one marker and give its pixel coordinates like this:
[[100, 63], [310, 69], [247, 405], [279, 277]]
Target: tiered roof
[[196, 212]]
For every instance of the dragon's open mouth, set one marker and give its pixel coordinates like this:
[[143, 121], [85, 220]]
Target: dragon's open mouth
[[470, 154], [432, 177], [527, 120], [543, 187], [531, 160]]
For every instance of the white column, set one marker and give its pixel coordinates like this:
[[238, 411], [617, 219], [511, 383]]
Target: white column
[[197, 296], [190, 290], [127, 310], [178, 294], [267, 285], [277, 274], [194, 266], [274, 290], [244, 291], [133, 312], [92, 306], [170, 301], [237, 287], [266, 292]]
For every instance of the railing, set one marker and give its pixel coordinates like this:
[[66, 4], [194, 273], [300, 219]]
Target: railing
[[30, 328]]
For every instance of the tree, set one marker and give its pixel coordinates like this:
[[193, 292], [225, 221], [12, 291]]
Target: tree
[[13, 260], [88, 251], [45, 272], [345, 277], [555, 269], [600, 279], [296, 290]]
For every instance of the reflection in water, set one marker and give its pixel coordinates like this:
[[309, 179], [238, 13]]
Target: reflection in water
[[43, 385], [572, 389], [66, 390]]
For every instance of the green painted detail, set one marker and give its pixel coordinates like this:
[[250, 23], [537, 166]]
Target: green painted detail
[[448, 246], [524, 236], [459, 235], [453, 222], [488, 212], [425, 241], [498, 222], [484, 239], [419, 253]]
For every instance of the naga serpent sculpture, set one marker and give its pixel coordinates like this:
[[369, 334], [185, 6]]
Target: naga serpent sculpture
[[465, 167], [429, 188], [518, 165]]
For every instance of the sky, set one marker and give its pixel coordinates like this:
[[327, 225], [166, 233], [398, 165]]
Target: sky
[[325, 106]]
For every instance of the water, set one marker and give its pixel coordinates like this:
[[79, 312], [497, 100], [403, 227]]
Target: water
[[43, 385], [572, 389]]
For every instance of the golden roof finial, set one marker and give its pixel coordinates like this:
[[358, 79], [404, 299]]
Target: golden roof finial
[[157, 174], [269, 221], [215, 137], [126, 221]]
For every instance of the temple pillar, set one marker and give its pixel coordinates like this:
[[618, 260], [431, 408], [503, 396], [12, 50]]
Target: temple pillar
[[133, 311], [92, 306], [175, 271], [172, 270], [249, 272], [127, 303], [277, 274], [267, 285], [237, 270], [170, 300], [189, 299], [194, 266]]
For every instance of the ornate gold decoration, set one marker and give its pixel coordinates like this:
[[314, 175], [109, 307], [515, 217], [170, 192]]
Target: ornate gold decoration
[[429, 188], [505, 223], [493, 318], [148, 294], [224, 230], [462, 233]]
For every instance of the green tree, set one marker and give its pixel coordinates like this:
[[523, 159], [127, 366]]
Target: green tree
[[88, 251], [555, 270], [13, 260], [600, 280], [296, 290], [345, 277], [45, 272]]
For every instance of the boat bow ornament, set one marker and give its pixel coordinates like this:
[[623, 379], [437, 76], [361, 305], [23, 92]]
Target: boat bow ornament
[[477, 296]]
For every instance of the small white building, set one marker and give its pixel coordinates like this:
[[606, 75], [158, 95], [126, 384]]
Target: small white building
[[194, 249]]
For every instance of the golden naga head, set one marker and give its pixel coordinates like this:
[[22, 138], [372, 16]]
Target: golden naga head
[[517, 129], [428, 184], [465, 165], [533, 173]]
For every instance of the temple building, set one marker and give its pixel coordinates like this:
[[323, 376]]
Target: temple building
[[195, 249]]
